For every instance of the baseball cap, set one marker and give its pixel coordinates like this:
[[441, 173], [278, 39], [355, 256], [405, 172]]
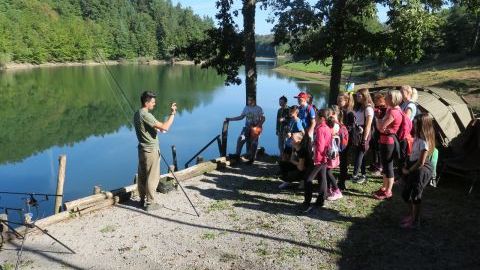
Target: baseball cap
[[302, 95]]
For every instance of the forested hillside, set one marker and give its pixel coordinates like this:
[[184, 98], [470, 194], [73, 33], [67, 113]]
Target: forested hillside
[[38, 31]]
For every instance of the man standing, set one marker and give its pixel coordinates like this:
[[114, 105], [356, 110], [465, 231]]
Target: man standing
[[146, 127], [253, 125]]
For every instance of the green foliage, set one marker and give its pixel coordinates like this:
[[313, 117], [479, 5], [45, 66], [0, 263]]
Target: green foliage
[[38, 31]]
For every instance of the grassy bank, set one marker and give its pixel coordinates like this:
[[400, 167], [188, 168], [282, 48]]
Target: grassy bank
[[459, 74]]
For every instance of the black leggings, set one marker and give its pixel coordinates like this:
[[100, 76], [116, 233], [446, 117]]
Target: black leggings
[[386, 153], [331, 180], [359, 161], [344, 165], [322, 181]]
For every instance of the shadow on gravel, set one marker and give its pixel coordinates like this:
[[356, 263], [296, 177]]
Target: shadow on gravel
[[197, 225]]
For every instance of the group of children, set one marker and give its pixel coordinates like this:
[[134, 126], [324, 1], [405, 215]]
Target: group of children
[[314, 142]]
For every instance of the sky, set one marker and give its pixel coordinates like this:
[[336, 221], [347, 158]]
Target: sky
[[207, 8]]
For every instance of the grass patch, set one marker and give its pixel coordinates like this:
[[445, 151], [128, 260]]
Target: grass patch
[[219, 206], [290, 252], [208, 236], [228, 257], [108, 229], [7, 266]]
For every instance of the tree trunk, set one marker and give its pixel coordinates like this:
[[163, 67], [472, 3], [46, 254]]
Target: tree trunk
[[338, 51], [336, 76], [250, 53], [477, 33]]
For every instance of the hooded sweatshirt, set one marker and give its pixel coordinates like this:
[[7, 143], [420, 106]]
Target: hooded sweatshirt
[[323, 137]]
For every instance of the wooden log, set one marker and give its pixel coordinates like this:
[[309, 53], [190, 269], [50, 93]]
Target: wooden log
[[87, 200], [3, 224], [197, 170], [45, 222], [174, 158], [223, 150], [96, 190], [98, 206], [62, 162]]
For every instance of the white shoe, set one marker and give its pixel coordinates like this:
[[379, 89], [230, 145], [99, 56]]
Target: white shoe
[[284, 185]]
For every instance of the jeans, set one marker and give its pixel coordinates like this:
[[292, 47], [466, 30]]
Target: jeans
[[359, 161]]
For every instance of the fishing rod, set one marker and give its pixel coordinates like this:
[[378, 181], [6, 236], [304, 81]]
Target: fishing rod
[[122, 92], [178, 182], [30, 194]]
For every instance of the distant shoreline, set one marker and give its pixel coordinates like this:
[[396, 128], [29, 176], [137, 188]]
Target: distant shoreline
[[25, 66]]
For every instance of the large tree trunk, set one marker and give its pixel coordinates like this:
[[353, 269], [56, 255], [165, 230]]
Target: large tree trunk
[[338, 51], [336, 76], [250, 53], [477, 33]]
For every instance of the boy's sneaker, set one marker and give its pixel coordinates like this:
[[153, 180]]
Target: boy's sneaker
[[355, 178], [361, 179], [336, 194]]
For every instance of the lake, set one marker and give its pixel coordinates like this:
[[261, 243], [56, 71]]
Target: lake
[[79, 112]]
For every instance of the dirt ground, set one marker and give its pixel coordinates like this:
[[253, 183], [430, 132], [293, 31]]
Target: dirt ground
[[246, 222]]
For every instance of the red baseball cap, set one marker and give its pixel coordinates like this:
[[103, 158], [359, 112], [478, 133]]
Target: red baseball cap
[[302, 95]]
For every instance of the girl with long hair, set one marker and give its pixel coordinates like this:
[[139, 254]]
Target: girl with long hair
[[345, 102], [364, 115], [388, 127], [418, 169]]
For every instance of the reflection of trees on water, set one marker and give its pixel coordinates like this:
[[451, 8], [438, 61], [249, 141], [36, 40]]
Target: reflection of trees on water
[[42, 108]]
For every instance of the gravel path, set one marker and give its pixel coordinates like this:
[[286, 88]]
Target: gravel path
[[245, 223]]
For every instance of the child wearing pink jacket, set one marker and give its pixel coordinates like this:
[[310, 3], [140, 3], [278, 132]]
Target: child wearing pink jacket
[[322, 140]]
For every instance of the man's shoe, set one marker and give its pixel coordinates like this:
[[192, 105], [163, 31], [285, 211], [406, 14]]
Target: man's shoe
[[152, 207]]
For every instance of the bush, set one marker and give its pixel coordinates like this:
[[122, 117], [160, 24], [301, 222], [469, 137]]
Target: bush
[[5, 58]]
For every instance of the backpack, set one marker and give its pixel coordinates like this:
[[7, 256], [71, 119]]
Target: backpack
[[357, 131], [334, 148], [309, 118], [343, 136], [403, 137]]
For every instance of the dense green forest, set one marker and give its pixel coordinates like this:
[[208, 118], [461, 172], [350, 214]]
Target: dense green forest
[[38, 31]]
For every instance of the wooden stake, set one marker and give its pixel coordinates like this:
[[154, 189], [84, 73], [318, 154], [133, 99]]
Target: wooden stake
[[62, 162], [96, 190]]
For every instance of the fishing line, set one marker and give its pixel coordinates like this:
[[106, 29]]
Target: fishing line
[[122, 92]]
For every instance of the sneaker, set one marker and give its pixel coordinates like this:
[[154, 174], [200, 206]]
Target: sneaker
[[377, 173], [381, 191], [329, 192], [409, 225], [383, 195], [361, 179], [284, 185], [306, 208], [406, 219], [301, 185], [355, 178], [337, 194], [152, 207]]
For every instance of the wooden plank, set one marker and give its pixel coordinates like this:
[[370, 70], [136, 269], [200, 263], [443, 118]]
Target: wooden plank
[[62, 163]]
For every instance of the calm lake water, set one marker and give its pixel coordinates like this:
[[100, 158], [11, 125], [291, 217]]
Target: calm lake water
[[77, 111]]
